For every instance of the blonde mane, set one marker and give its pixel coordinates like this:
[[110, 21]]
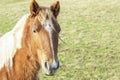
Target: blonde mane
[[10, 42]]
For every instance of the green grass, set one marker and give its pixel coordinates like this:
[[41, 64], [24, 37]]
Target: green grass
[[90, 30]]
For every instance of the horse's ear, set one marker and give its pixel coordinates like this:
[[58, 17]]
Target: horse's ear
[[55, 7], [33, 7]]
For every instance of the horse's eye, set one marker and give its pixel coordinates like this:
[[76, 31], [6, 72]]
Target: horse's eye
[[35, 31]]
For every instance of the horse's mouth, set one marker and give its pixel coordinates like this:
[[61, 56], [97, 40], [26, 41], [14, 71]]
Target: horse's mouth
[[50, 70], [51, 73]]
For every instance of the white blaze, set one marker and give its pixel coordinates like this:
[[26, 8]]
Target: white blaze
[[48, 26]]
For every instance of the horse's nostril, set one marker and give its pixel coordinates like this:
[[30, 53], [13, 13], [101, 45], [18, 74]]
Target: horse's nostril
[[54, 66], [46, 65]]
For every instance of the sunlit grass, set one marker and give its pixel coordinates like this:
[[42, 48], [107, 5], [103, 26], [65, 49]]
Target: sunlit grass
[[90, 30]]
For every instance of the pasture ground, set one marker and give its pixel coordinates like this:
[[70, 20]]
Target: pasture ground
[[90, 30]]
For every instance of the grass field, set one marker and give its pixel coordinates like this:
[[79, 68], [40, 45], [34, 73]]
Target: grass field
[[90, 30]]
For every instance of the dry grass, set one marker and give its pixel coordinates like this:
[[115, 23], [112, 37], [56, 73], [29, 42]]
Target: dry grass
[[91, 32]]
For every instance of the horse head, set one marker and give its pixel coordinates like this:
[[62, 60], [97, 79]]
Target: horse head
[[42, 33]]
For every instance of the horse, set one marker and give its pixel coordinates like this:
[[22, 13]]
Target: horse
[[31, 45]]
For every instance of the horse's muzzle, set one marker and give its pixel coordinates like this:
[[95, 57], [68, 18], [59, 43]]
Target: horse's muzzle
[[50, 69]]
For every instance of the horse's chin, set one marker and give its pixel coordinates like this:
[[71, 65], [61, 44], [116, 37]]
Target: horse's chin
[[49, 72]]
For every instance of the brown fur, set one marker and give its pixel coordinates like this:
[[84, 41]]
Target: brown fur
[[55, 7], [25, 67], [27, 60]]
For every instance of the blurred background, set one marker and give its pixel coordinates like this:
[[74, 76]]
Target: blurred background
[[91, 35]]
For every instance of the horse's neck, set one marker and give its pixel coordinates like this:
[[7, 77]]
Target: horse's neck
[[18, 30], [10, 48], [10, 42], [25, 65]]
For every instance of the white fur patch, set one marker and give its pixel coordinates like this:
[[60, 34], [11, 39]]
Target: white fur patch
[[10, 42], [48, 26]]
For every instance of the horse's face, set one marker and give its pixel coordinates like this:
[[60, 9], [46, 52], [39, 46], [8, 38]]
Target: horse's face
[[44, 31]]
